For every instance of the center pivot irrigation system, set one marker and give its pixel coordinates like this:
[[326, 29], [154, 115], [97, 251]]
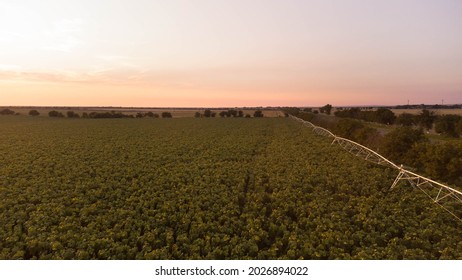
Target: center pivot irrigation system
[[444, 196]]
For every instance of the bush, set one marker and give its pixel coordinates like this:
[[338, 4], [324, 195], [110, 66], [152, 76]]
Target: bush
[[384, 116], [400, 141], [326, 109], [72, 114], [167, 115], [258, 114], [358, 132], [406, 119], [55, 114], [426, 119], [224, 114], [447, 125], [7, 112], [207, 113], [34, 113], [439, 161]]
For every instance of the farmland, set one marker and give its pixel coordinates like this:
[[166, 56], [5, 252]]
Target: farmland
[[216, 188], [438, 112]]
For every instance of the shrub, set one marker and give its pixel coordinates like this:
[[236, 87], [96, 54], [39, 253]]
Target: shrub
[[34, 113]]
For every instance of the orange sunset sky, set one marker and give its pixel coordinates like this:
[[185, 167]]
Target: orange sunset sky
[[213, 53]]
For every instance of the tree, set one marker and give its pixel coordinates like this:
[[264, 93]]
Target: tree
[[447, 125], [398, 142], [348, 128], [139, 115], [55, 114], [232, 112], [240, 114], [34, 113], [224, 114], [326, 109], [406, 119], [149, 114], [385, 116], [7, 112], [207, 113], [72, 114], [166, 115], [426, 119], [197, 115], [459, 127], [258, 114], [440, 161]]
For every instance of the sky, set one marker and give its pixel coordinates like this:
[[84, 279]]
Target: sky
[[217, 53]]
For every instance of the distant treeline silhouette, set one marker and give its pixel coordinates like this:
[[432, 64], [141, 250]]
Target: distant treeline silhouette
[[107, 115]]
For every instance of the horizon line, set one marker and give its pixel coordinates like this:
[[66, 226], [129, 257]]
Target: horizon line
[[219, 107]]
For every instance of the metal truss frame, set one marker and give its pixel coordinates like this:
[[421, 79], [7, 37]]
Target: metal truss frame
[[444, 196]]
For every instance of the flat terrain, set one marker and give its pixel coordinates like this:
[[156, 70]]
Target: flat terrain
[[186, 188], [176, 112]]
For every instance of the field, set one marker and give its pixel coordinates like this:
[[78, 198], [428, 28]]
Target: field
[[438, 112], [186, 188]]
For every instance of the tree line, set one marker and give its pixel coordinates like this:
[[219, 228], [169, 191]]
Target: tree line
[[406, 144], [449, 125], [113, 114], [103, 115], [228, 114]]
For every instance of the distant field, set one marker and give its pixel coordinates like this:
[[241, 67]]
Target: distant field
[[177, 113], [437, 111]]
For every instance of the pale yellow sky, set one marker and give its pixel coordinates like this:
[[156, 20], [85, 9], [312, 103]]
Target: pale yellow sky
[[229, 53]]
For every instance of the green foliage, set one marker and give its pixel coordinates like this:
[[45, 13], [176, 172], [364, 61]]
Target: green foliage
[[459, 127], [326, 109], [258, 114], [439, 161], [7, 112], [34, 113], [209, 113], [406, 119], [291, 110], [426, 119], [357, 131], [447, 125], [166, 115], [158, 189], [108, 115], [151, 115], [72, 114], [384, 116], [224, 114], [55, 114], [381, 115], [399, 142]]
